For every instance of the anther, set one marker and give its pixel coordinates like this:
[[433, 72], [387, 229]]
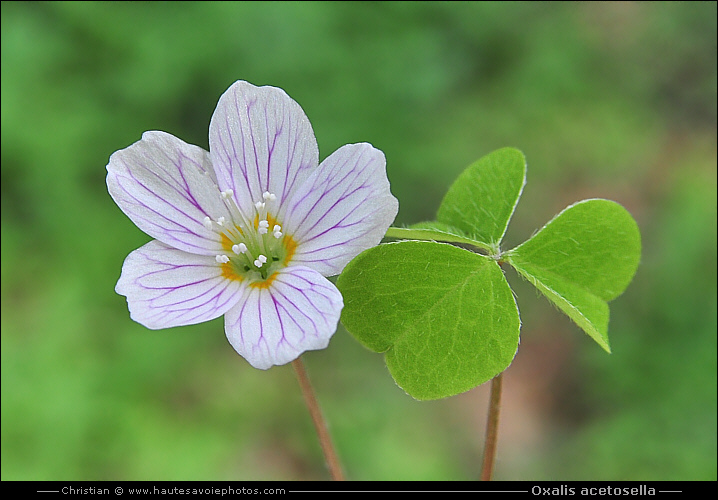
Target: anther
[[268, 196], [207, 223], [238, 249], [222, 259], [260, 261], [227, 194], [263, 227], [259, 205], [220, 221]]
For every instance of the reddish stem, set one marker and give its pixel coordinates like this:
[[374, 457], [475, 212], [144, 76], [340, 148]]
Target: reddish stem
[[325, 440], [492, 429]]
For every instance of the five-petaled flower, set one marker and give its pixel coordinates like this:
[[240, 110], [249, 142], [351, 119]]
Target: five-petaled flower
[[251, 228]]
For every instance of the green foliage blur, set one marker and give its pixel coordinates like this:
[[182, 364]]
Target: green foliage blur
[[610, 100]]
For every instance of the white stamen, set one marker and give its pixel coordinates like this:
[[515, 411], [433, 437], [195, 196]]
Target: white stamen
[[277, 228], [268, 196], [227, 194], [277, 234], [262, 258], [238, 249], [207, 223], [222, 259], [263, 227], [220, 221], [259, 205]]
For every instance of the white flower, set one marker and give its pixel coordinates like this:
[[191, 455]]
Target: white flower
[[251, 228]]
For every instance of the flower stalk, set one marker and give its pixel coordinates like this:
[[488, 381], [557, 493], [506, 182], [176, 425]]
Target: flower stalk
[[492, 429], [325, 440]]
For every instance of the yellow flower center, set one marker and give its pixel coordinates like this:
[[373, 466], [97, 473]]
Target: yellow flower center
[[254, 250]]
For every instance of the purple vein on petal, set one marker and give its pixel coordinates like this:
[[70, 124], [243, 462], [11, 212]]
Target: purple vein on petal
[[197, 308], [262, 338], [249, 292], [163, 200], [272, 325], [167, 287], [183, 193], [250, 137], [296, 312], [326, 189], [339, 223], [270, 151], [161, 229], [188, 191], [233, 142], [180, 166], [279, 317]]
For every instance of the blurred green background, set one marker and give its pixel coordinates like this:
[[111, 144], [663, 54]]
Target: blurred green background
[[611, 100]]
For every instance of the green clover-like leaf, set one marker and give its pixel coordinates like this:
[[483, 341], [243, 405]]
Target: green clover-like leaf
[[480, 203], [583, 258], [445, 317]]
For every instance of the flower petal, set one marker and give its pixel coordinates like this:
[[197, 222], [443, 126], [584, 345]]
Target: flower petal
[[260, 140], [167, 287], [166, 187], [273, 325], [342, 209]]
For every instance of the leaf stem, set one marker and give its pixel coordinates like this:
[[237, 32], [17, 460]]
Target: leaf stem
[[492, 429], [325, 440], [405, 233]]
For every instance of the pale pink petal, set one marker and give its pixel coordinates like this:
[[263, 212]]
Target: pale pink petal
[[166, 187], [260, 140], [167, 287], [342, 209], [299, 311]]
